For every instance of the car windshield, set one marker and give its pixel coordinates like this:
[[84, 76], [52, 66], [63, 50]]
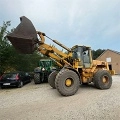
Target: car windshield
[[9, 75]]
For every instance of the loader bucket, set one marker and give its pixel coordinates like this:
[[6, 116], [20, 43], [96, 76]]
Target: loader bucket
[[24, 37]]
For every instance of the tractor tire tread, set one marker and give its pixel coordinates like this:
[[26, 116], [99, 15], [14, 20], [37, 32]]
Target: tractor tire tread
[[37, 78], [97, 79], [58, 79]]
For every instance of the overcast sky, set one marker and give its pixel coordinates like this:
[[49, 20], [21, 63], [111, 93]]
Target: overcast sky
[[94, 23]]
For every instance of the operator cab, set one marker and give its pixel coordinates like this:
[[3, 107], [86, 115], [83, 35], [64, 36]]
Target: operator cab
[[83, 54]]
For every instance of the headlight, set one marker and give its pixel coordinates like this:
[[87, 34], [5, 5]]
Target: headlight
[[43, 69]]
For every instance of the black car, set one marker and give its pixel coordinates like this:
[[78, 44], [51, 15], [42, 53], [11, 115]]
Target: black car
[[14, 79]]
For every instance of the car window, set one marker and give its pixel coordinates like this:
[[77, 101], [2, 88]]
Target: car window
[[10, 75]]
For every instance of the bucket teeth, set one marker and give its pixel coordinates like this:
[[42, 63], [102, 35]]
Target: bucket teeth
[[24, 37]]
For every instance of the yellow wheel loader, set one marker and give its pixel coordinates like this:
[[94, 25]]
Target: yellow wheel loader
[[77, 65]]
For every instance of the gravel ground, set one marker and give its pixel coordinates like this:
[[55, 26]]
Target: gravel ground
[[41, 102]]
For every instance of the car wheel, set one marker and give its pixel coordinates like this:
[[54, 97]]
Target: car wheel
[[20, 84], [2, 87]]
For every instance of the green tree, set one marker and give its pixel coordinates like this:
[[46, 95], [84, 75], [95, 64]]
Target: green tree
[[97, 53], [4, 46], [12, 60]]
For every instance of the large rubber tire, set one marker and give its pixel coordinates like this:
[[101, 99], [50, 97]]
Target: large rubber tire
[[51, 79], [37, 78], [60, 82], [102, 79]]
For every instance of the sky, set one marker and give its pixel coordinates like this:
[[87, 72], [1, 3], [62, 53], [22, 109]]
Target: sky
[[94, 23]]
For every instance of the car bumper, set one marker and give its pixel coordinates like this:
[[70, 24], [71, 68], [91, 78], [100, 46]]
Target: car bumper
[[11, 83]]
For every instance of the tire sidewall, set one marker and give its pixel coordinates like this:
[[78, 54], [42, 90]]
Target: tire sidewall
[[37, 78], [51, 79], [98, 79], [60, 82]]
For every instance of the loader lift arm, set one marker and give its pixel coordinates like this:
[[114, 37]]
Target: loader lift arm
[[25, 40], [52, 52]]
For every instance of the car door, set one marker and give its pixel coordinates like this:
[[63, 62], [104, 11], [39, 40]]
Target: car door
[[27, 77]]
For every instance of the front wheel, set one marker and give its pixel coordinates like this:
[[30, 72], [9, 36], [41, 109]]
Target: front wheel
[[67, 82], [20, 84], [102, 79], [37, 78]]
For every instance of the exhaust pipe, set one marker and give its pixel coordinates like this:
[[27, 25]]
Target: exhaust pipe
[[24, 37]]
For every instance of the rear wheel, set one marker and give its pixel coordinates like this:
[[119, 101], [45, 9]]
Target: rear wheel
[[102, 79], [67, 82], [20, 84], [2, 87], [37, 78], [51, 79]]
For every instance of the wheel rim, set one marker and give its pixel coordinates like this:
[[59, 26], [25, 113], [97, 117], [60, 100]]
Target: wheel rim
[[105, 79], [21, 83], [68, 82]]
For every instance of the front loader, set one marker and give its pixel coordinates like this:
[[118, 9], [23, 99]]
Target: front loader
[[77, 65]]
